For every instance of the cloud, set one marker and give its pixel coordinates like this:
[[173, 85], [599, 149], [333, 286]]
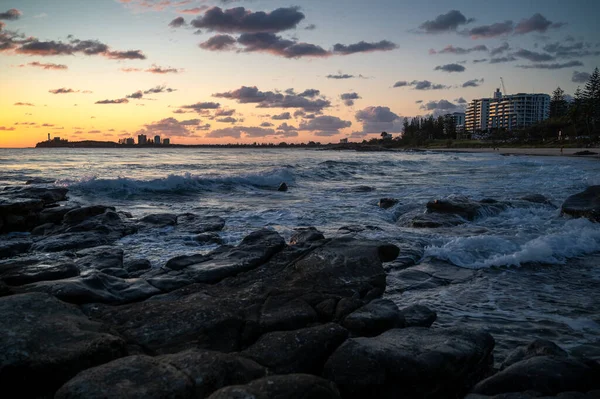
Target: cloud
[[125, 55], [401, 83], [194, 11], [4, 128], [490, 31], [533, 56], [378, 119], [442, 107], [270, 99], [569, 64], [276, 45], [11, 15], [201, 107], [450, 68], [162, 70], [137, 95], [177, 22], [159, 89], [49, 66], [500, 60], [241, 20], [477, 61], [282, 116], [171, 127], [536, 23], [325, 125], [24, 104], [500, 49], [427, 85], [266, 124], [131, 69], [227, 119], [117, 101], [340, 76], [472, 83], [33, 46], [310, 27], [219, 43], [349, 98], [461, 100], [364, 47], [224, 112], [312, 93], [62, 90], [575, 50], [95, 131], [237, 131], [460, 50], [445, 22], [580, 77]]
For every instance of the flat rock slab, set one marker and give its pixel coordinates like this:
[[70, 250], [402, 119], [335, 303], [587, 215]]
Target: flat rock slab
[[291, 386], [412, 362], [44, 342], [35, 268]]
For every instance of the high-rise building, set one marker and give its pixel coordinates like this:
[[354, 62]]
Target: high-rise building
[[156, 139], [507, 112], [166, 141], [142, 139]]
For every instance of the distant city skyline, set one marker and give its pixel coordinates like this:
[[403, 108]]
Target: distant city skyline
[[243, 71]]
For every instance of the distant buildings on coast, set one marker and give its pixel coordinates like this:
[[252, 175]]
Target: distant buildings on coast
[[143, 140]]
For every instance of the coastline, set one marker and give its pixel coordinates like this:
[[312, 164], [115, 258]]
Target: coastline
[[548, 152]]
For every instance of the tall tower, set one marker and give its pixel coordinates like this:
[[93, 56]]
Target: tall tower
[[48, 136]]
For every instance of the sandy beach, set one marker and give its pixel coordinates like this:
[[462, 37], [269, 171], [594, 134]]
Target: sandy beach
[[527, 151]]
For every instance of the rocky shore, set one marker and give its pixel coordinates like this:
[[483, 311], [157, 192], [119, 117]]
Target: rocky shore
[[264, 319]]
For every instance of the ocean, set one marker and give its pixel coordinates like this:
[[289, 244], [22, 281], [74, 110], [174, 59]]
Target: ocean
[[524, 273]]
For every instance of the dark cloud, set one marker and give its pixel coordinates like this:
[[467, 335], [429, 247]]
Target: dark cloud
[[125, 55], [171, 127], [245, 21], [177, 22], [271, 99], [580, 77], [349, 98], [575, 50], [301, 114], [95, 131], [25, 104], [219, 43], [34, 46], [282, 116], [224, 112], [401, 83], [266, 124], [311, 93], [340, 76], [62, 90], [500, 49], [190, 122], [310, 27], [569, 64], [461, 100], [118, 101], [325, 125], [427, 85], [11, 15], [480, 60], [364, 47], [442, 107], [490, 31], [418, 101], [500, 60], [460, 50], [533, 56], [227, 119], [450, 68], [472, 83], [536, 23], [201, 107], [237, 131], [137, 95], [162, 70], [203, 127], [194, 11], [159, 89], [379, 119], [445, 22], [284, 127], [273, 44]]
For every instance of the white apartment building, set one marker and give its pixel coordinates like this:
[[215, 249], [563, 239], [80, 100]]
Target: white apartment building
[[507, 112]]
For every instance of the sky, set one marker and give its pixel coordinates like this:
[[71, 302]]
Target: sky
[[245, 71]]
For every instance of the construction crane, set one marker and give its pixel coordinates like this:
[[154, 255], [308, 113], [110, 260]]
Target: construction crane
[[503, 87]]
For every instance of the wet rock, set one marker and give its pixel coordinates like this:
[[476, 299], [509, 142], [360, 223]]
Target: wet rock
[[208, 238], [536, 199], [543, 374], [539, 347], [55, 215], [160, 219], [465, 207], [71, 241], [435, 220], [116, 272], [136, 265], [95, 286], [305, 235], [411, 362], [428, 275], [99, 258], [19, 214], [130, 377], [291, 386], [300, 351], [78, 215], [411, 252], [345, 306], [31, 269], [374, 318], [44, 229], [355, 228], [284, 313], [44, 342], [49, 195], [109, 223], [40, 180], [13, 246], [386, 203], [196, 224], [584, 204], [282, 187], [418, 316]]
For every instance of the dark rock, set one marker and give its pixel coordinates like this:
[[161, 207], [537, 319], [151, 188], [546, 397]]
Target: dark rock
[[465, 207], [136, 265], [48, 195], [160, 219], [418, 316], [386, 203], [282, 187], [435, 220], [130, 377], [428, 275], [208, 238], [355, 228], [183, 261], [55, 215], [44, 229], [585, 204], [304, 235], [44, 342], [99, 258], [536, 199], [116, 272], [411, 252], [345, 306], [326, 309], [586, 152], [539, 347], [5, 289], [26, 270], [78, 215], [411, 362], [13, 246], [543, 374], [40, 180], [196, 224], [300, 351], [374, 318], [71, 241], [282, 313], [19, 214], [95, 286], [291, 386]]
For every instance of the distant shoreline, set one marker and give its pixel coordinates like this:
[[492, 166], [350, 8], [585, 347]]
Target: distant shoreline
[[570, 152]]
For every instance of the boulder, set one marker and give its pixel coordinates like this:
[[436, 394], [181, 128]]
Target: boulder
[[78, 215], [435, 220], [418, 316], [196, 224], [71, 241], [49, 195], [160, 219], [300, 351], [291, 386], [31, 269], [544, 374], [465, 207], [411, 362], [13, 246], [386, 203], [19, 214], [539, 347], [306, 235], [536, 199], [584, 204], [137, 265], [208, 238], [99, 258], [282, 187], [374, 318], [55, 215], [44, 342]]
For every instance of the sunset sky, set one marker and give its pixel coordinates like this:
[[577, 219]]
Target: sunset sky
[[227, 71]]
